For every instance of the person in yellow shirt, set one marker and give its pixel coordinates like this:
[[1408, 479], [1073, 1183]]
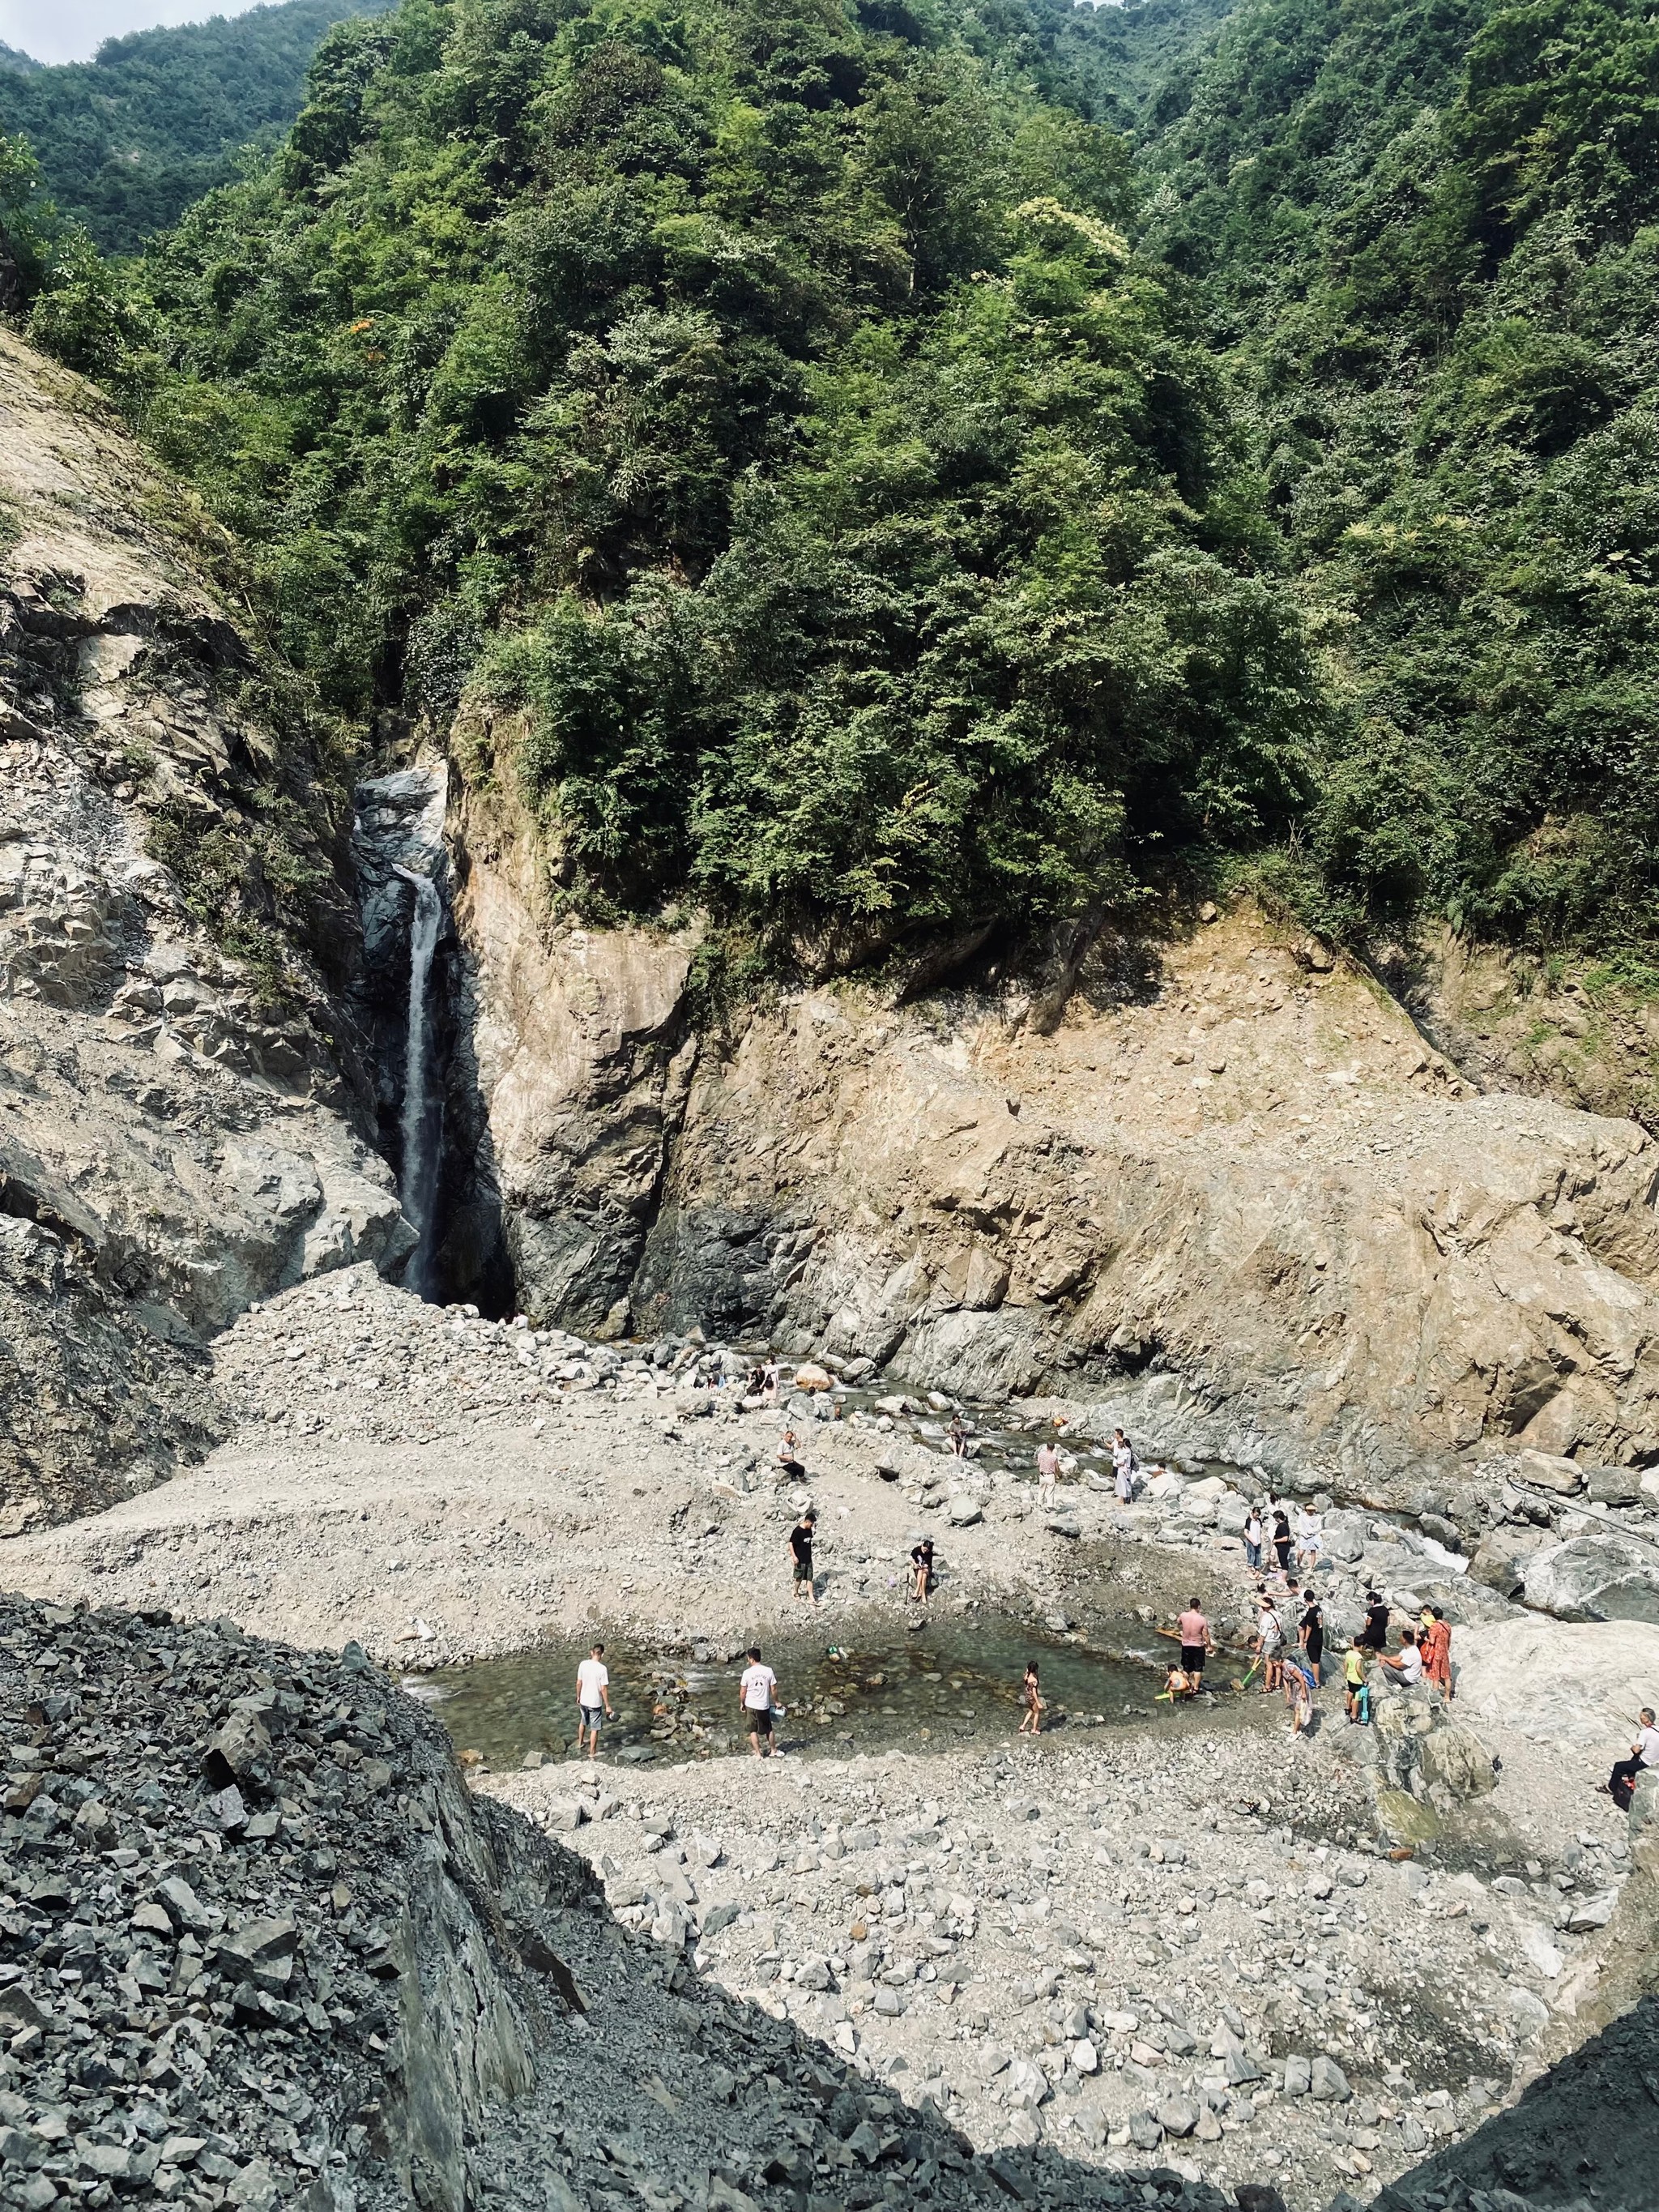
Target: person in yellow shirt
[[1353, 1676]]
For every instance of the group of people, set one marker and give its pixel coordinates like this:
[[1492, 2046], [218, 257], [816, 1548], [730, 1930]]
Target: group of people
[[1295, 1670], [757, 1692]]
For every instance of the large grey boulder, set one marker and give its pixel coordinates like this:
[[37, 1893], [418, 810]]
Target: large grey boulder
[[1603, 1576], [1501, 1557]]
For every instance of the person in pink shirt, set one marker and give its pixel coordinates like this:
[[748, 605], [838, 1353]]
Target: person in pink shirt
[[1196, 1642]]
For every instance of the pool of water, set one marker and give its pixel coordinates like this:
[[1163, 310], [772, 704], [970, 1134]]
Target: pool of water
[[945, 1684]]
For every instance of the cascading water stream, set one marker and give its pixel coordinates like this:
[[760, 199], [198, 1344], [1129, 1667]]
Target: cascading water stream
[[419, 1152]]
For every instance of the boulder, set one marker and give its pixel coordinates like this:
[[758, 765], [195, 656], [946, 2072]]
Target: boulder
[[1344, 1535], [1615, 1485], [1645, 1804], [1549, 1471], [1329, 2081], [1500, 1557], [1567, 1687], [1455, 1758], [1605, 1576]]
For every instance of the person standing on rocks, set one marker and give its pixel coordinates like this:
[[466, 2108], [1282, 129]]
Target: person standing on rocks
[[1435, 1643], [1282, 1543], [1047, 1468], [1374, 1635], [1311, 1635], [1644, 1753], [800, 1551], [1252, 1540], [592, 1700], [1269, 1644], [1298, 1691], [1309, 1539], [1196, 1643], [1356, 1699], [959, 1437], [755, 1689], [770, 1382], [1124, 1467], [1031, 1721]]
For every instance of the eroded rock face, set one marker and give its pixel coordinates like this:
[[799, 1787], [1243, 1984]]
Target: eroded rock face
[[579, 1057], [1258, 1177], [181, 1126], [1255, 1185]]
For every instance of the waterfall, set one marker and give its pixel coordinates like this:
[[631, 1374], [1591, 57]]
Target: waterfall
[[419, 1152]]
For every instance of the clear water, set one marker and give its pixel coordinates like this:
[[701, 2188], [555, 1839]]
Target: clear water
[[947, 1684]]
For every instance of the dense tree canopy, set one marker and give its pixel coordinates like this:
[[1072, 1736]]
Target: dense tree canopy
[[890, 467], [766, 403], [1425, 232]]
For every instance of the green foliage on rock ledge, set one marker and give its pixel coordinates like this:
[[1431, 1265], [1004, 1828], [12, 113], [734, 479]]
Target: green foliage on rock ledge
[[761, 408]]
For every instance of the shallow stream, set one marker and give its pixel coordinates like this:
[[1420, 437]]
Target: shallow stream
[[946, 1683]]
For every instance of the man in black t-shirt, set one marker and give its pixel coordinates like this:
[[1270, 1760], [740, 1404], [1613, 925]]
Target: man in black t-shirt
[[800, 1548], [1311, 1635]]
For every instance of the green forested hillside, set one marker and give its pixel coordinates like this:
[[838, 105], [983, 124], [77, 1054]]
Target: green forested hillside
[[1425, 232], [127, 141], [764, 399], [876, 497]]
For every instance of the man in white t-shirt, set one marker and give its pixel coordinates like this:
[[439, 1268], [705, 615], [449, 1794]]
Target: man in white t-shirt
[[755, 1692], [1407, 1667], [592, 1700], [1644, 1753]]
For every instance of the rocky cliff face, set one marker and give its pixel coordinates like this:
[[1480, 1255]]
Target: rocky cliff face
[[178, 1130], [1245, 1191]]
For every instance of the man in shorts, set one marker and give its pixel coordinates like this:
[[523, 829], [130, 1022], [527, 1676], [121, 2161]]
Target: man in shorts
[[800, 1552], [755, 1692], [1196, 1643], [592, 1700]]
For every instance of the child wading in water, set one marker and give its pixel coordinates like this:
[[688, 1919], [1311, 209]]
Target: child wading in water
[[1032, 1719]]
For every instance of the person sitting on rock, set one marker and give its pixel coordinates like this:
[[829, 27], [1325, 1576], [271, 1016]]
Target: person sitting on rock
[[1177, 1683], [922, 1566], [1644, 1753], [789, 1465], [1407, 1665]]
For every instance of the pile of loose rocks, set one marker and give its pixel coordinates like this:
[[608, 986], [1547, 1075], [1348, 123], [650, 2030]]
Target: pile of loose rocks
[[261, 1947], [206, 1859]]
